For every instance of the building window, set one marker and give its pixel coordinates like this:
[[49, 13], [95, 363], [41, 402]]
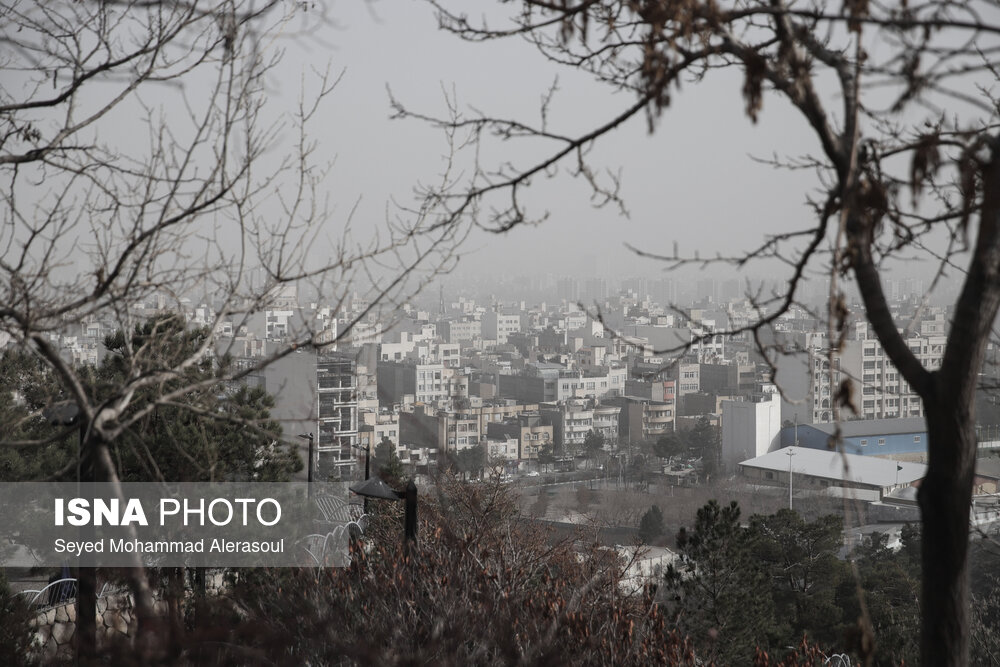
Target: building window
[[916, 438], [769, 475], [864, 443], [881, 441]]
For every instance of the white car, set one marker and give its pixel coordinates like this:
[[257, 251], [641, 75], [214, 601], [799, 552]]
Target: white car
[[533, 473]]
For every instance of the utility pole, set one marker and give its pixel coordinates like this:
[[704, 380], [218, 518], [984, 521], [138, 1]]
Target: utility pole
[[790, 454], [309, 475]]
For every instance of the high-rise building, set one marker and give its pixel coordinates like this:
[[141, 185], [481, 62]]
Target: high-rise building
[[337, 411], [876, 389]]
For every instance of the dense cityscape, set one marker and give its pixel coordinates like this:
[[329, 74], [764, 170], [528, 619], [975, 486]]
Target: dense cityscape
[[616, 408], [522, 379]]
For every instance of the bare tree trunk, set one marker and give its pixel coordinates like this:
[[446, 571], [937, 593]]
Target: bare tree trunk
[[148, 625], [175, 589], [949, 402], [948, 395], [945, 497], [85, 634], [86, 577]]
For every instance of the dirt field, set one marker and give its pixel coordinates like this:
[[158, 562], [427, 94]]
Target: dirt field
[[608, 505]]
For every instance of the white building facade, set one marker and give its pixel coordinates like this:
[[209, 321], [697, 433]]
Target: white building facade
[[750, 428]]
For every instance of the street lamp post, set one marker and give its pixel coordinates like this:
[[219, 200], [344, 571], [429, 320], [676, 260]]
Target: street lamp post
[[309, 474], [790, 454], [376, 488], [367, 449]]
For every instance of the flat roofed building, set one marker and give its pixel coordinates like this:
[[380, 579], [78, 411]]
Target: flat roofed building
[[819, 470]]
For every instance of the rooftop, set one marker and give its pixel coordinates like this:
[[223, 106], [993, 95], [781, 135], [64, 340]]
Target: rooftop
[[869, 427], [864, 470]]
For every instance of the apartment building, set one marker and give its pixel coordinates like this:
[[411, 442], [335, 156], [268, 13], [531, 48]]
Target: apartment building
[[532, 430], [687, 375], [399, 383], [505, 449], [458, 331], [660, 391], [337, 411], [574, 418], [374, 426], [497, 326], [458, 429], [643, 419], [277, 323], [878, 391], [606, 423]]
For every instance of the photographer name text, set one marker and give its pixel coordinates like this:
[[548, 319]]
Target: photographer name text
[[79, 547]]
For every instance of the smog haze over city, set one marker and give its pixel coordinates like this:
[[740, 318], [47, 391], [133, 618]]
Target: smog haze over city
[[593, 332]]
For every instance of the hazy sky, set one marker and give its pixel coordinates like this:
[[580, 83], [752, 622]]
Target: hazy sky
[[692, 182]]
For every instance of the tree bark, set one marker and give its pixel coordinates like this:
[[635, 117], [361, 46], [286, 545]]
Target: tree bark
[[86, 577], [148, 624], [945, 496]]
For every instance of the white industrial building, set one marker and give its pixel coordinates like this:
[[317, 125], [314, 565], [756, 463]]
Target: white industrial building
[[750, 428], [832, 472]]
